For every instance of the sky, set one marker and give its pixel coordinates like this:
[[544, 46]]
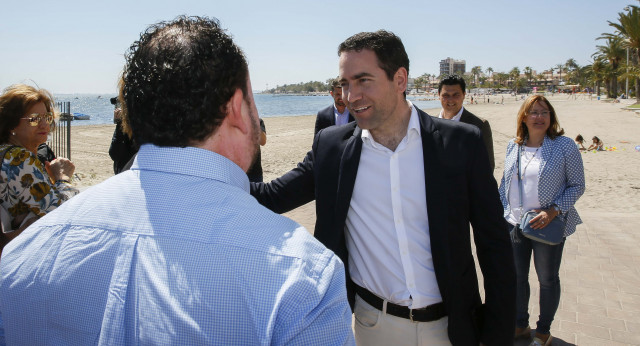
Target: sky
[[79, 46]]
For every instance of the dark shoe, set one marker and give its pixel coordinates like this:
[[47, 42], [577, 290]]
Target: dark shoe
[[524, 333]]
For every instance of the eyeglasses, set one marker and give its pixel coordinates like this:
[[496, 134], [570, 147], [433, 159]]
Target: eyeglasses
[[35, 118], [543, 114]]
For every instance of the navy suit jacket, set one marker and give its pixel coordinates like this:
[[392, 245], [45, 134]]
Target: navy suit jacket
[[327, 118], [460, 189]]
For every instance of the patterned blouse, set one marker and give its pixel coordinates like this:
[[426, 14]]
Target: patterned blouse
[[25, 185], [560, 179]]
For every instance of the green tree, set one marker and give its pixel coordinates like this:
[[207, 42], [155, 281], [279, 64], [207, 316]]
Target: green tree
[[614, 52], [476, 71], [500, 78], [559, 69], [514, 74], [628, 26], [419, 82], [489, 71], [528, 72]]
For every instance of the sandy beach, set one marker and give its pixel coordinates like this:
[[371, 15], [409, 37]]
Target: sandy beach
[[600, 273], [613, 177]]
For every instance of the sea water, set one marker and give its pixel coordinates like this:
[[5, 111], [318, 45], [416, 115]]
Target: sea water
[[100, 109]]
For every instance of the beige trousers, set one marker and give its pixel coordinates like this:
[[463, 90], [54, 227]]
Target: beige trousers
[[374, 327]]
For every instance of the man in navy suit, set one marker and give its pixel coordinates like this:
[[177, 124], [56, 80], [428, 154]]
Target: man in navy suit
[[395, 193], [451, 91], [337, 113]]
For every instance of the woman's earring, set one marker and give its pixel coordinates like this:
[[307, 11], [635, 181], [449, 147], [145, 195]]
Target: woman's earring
[[13, 133]]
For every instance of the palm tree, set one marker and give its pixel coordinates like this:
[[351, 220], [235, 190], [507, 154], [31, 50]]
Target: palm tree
[[560, 68], [489, 71], [597, 72], [475, 72], [628, 26], [572, 70], [614, 52], [513, 75], [528, 72], [571, 65]]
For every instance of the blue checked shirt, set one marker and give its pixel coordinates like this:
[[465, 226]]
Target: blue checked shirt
[[173, 252]]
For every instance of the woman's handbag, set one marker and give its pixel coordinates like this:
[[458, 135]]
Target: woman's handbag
[[551, 234]]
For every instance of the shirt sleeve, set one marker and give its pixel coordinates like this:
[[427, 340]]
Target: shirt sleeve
[[28, 186], [574, 183], [318, 311]]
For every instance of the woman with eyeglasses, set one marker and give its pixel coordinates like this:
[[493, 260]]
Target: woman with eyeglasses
[[29, 188], [547, 167]]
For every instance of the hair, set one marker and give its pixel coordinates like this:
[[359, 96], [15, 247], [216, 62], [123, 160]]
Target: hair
[[178, 78], [522, 133], [386, 45], [453, 79], [335, 83], [595, 138], [15, 101], [579, 139]]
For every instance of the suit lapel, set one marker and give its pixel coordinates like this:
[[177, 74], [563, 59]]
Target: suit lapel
[[464, 118], [347, 175], [431, 141]]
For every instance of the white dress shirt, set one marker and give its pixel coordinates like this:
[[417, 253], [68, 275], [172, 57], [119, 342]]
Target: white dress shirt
[[341, 118], [455, 118], [387, 228]]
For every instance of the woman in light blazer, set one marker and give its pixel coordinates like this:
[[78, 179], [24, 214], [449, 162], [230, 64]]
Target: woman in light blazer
[[552, 181]]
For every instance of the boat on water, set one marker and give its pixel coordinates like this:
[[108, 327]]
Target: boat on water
[[81, 116]]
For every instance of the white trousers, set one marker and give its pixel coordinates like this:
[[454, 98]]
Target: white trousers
[[375, 327]]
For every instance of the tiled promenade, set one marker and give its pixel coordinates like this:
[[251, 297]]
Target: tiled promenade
[[600, 278]]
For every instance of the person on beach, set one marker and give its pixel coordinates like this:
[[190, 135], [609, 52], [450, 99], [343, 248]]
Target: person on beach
[[29, 187], [580, 142], [552, 180], [395, 193], [336, 114], [175, 250], [255, 171], [596, 144], [451, 92], [122, 148]]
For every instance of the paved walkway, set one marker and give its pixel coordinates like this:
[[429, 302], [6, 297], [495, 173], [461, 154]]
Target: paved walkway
[[600, 278]]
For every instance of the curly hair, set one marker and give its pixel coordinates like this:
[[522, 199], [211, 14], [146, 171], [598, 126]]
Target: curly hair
[[15, 101], [522, 132], [386, 45], [177, 80]]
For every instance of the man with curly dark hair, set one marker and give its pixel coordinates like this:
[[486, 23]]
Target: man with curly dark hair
[[175, 250]]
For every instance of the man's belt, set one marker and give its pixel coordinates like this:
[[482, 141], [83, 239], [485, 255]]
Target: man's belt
[[430, 313]]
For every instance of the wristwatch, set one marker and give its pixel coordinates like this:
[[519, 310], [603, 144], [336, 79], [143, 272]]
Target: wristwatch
[[556, 208]]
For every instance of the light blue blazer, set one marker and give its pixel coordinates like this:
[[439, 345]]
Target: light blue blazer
[[560, 179]]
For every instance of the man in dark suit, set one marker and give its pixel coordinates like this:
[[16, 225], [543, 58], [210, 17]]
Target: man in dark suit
[[451, 91], [337, 113], [395, 194]]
